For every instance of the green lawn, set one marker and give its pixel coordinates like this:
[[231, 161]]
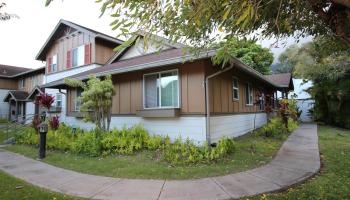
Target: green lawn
[[13, 188], [334, 180], [251, 152]]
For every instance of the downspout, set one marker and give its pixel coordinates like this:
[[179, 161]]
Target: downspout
[[207, 121]]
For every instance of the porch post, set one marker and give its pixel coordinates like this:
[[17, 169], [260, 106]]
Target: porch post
[[16, 110], [10, 109]]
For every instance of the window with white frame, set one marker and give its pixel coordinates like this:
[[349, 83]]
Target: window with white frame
[[235, 89], [77, 100], [249, 94], [78, 56], [161, 90], [21, 83], [54, 63], [59, 100]]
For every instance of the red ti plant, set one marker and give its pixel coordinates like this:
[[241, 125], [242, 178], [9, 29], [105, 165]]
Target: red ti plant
[[46, 100], [54, 122]]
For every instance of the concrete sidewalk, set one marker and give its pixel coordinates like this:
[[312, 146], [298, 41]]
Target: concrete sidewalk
[[297, 160]]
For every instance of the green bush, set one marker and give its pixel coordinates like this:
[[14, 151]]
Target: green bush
[[27, 135], [127, 141], [87, 143], [187, 152], [274, 128], [292, 125]]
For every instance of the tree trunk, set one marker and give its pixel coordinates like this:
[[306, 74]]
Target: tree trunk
[[337, 17]]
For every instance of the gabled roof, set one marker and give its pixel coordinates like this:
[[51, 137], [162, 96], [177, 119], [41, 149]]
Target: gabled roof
[[284, 80], [35, 91], [17, 95], [9, 71], [157, 59], [64, 23], [139, 34]]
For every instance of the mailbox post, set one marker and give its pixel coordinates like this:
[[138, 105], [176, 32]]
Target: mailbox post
[[43, 128]]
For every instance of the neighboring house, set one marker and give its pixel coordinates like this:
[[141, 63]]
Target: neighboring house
[[305, 102], [169, 92], [18, 89]]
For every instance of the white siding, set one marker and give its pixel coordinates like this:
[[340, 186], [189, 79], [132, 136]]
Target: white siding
[[186, 127], [139, 49], [4, 106], [234, 125], [66, 73]]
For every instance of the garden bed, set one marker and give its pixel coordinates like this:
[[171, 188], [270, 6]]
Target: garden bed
[[251, 151]]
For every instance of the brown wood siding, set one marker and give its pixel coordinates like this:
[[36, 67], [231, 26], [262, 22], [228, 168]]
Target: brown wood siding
[[8, 84], [30, 84], [70, 99], [129, 90], [221, 91], [104, 51], [63, 44]]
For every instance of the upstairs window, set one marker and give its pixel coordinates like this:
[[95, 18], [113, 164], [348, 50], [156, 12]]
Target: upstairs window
[[249, 94], [235, 89], [54, 63], [21, 83], [161, 90], [78, 56]]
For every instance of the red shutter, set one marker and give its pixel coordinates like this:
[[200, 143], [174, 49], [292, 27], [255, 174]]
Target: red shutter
[[69, 59], [87, 56], [49, 62]]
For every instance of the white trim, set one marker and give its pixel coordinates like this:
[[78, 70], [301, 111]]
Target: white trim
[[159, 96], [235, 88]]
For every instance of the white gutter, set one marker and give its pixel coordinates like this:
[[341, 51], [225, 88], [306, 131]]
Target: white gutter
[[207, 121]]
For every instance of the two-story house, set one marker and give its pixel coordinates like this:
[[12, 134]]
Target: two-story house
[[18, 89], [168, 91]]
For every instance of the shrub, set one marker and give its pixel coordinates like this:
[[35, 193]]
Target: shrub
[[273, 128], [292, 125], [27, 135], [128, 141], [54, 122], [188, 153], [87, 143]]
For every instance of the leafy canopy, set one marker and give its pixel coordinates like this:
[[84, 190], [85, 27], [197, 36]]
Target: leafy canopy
[[247, 51], [197, 22], [323, 58]]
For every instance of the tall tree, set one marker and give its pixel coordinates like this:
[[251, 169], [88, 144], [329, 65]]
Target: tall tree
[[326, 62], [197, 21], [247, 51]]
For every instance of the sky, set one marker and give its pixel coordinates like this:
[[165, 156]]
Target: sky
[[21, 39]]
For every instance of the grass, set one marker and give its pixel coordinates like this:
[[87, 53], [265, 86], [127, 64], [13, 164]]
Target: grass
[[333, 182], [145, 165], [13, 188]]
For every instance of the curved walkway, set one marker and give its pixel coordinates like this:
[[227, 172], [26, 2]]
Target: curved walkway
[[297, 160]]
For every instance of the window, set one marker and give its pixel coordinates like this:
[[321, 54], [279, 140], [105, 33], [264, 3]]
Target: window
[[262, 101], [54, 63], [59, 100], [249, 94], [235, 89], [78, 56], [78, 102], [21, 83], [35, 81], [161, 90]]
